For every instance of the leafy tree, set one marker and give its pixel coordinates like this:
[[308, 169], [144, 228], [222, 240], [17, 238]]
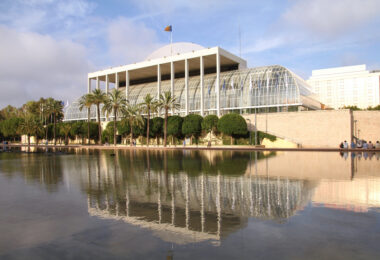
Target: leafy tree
[[86, 102], [30, 126], [97, 97], [132, 114], [175, 126], [149, 105], [352, 108], [166, 102], [77, 130], [157, 127], [115, 102], [232, 125], [374, 108], [10, 112], [65, 129], [192, 126], [108, 134], [123, 127], [9, 127], [210, 124]]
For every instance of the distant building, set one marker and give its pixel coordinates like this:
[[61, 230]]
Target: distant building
[[205, 81], [346, 86]]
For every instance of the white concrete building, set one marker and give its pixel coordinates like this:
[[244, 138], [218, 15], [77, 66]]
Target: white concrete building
[[346, 86], [204, 81]]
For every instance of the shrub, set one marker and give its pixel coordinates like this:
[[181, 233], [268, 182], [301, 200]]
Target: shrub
[[191, 126], [232, 125]]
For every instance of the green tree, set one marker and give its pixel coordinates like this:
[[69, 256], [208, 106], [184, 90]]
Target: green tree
[[374, 108], [9, 127], [77, 130], [132, 114], [97, 97], [149, 105], [232, 125], [210, 124], [175, 126], [166, 102], [86, 102], [116, 103], [30, 126], [157, 128], [56, 110], [65, 129], [123, 127], [192, 126], [352, 108]]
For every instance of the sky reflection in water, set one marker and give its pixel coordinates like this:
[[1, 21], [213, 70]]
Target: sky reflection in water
[[206, 204]]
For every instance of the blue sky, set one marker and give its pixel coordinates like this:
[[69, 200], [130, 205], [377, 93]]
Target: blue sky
[[48, 46]]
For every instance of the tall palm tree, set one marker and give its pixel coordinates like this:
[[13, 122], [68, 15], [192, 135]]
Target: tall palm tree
[[132, 113], [116, 103], [56, 110], [149, 105], [97, 97], [166, 102], [85, 102]]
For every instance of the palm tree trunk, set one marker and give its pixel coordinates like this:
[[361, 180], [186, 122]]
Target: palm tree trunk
[[232, 140], [131, 144], [114, 127], [147, 129], [88, 125], [165, 126], [99, 124], [28, 142], [55, 125]]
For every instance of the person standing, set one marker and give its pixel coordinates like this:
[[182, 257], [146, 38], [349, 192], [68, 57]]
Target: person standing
[[345, 144]]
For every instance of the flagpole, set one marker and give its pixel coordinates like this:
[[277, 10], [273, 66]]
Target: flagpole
[[171, 43]]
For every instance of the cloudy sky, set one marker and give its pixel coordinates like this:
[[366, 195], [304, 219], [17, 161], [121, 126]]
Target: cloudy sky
[[47, 47]]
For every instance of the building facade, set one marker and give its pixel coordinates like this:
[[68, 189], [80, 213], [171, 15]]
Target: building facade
[[204, 81], [346, 86]]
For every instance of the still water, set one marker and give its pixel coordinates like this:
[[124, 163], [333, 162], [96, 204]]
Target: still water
[[73, 204]]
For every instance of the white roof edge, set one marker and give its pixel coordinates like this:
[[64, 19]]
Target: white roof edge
[[339, 70], [164, 60]]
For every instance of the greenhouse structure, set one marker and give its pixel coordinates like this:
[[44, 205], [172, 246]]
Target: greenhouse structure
[[204, 81]]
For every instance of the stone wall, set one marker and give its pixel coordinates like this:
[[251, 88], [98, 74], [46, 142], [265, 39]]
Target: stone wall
[[325, 128], [367, 125]]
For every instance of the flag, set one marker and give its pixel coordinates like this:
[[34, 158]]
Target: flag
[[241, 85], [232, 85], [224, 86], [168, 28], [209, 89]]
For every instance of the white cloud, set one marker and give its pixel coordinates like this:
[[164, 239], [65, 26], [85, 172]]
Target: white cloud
[[331, 18], [34, 65], [130, 41], [264, 44]]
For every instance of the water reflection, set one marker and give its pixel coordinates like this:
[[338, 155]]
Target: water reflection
[[186, 197]]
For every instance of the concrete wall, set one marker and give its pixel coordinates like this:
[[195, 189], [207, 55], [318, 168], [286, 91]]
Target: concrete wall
[[325, 128], [367, 125]]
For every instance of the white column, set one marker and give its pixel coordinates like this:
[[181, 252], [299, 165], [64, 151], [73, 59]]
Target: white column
[[116, 80], [202, 85], [89, 86], [217, 85], [127, 85], [187, 86], [107, 83], [172, 76], [97, 83], [158, 80]]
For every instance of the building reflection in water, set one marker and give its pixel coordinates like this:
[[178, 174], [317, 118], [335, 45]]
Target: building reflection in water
[[191, 197]]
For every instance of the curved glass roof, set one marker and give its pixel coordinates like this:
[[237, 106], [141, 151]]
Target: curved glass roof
[[260, 87]]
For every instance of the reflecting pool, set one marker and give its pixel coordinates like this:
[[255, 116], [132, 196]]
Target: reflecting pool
[[135, 204]]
